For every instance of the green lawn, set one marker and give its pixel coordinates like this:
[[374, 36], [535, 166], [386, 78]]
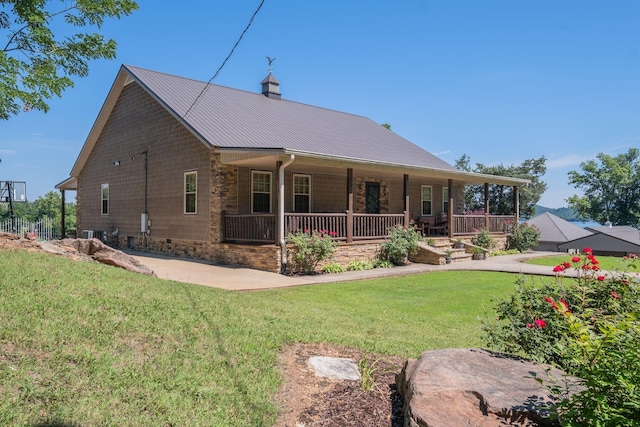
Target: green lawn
[[606, 262], [87, 344]]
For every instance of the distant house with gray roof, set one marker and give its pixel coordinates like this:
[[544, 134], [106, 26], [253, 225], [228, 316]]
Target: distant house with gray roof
[[555, 231], [620, 240], [179, 166]]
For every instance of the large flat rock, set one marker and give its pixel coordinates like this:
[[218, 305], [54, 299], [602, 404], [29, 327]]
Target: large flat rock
[[475, 387]]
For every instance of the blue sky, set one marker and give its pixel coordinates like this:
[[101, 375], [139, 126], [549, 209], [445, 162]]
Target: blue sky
[[499, 80]]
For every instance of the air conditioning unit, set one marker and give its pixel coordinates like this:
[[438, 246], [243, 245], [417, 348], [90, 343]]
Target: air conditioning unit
[[87, 234]]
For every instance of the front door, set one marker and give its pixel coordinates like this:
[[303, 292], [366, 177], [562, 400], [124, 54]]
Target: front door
[[373, 197]]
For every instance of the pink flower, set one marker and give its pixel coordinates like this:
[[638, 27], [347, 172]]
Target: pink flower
[[564, 303], [566, 264], [540, 323], [333, 233], [615, 295], [576, 259], [551, 301], [587, 251], [601, 278], [530, 325], [558, 268]]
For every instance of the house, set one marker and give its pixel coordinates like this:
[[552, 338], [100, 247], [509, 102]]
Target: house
[[555, 231], [179, 166], [620, 240]]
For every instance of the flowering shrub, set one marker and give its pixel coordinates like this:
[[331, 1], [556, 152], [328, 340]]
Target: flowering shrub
[[484, 239], [311, 248], [587, 326], [401, 245], [523, 237]]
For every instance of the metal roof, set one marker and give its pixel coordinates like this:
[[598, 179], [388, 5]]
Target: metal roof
[[232, 118], [555, 229], [227, 119]]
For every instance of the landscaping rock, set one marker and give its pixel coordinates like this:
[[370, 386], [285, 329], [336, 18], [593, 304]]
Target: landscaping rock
[[337, 368], [104, 254], [475, 387]]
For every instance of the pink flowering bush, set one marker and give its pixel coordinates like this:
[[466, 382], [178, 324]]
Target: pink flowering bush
[[589, 327]]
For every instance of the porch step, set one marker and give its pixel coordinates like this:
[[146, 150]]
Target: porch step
[[436, 255]]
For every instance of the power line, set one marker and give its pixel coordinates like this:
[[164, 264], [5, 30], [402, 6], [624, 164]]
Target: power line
[[224, 62]]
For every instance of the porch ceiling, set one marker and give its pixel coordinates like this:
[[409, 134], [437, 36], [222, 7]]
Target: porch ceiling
[[266, 159]]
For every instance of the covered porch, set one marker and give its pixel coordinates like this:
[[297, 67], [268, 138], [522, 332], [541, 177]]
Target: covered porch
[[354, 215]]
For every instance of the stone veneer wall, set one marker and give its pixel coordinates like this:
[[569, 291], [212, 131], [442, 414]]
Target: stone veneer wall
[[260, 257], [346, 252]]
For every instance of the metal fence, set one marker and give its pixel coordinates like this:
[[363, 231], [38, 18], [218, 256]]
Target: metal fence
[[42, 229]]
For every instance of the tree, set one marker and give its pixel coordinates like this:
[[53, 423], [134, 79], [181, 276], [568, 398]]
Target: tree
[[35, 63], [610, 186], [501, 196]]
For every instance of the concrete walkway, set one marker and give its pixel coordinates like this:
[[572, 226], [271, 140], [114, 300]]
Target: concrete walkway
[[245, 279]]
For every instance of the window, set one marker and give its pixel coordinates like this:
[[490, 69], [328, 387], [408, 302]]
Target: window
[[426, 200], [301, 193], [190, 192], [104, 190], [445, 200], [260, 192]]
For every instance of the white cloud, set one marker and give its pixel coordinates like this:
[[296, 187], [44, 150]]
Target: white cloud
[[568, 160], [7, 152]]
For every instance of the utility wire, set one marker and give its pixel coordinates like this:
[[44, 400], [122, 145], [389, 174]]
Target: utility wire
[[223, 62]]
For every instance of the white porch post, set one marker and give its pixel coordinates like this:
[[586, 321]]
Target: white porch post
[[283, 242]]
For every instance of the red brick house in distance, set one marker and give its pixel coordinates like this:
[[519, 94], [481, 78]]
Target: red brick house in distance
[[226, 177]]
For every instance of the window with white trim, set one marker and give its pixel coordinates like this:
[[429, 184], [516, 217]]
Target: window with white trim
[[104, 196], [426, 198], [301, 193], [445, 200], [191, 192], [260, 192]]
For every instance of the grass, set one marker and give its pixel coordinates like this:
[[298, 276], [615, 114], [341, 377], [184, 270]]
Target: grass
[[87, 344], [606, 262]]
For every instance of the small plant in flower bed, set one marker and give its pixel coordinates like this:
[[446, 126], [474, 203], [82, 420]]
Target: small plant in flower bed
[[401, 245], [333, 267], [310, 248], [505, 252], [356, 265], [382, 263], [589, 327], [523, 237], [484, 239]]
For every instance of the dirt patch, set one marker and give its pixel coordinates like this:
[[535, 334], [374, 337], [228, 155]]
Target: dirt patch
[[310, 401]]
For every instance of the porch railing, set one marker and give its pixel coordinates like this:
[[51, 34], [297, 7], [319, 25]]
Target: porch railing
[[345, 226], [469, 224]]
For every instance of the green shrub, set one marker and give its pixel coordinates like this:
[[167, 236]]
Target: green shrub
[[401, 245], [505, 252], [588, 327], [309, 249], [484, 239], [333, 267], [523, 237], [356, 265], [382, 263]]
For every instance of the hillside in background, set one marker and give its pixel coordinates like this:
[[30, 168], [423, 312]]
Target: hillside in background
[[564, 213]]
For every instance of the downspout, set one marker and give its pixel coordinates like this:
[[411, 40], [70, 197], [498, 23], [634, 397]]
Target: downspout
[[283, 242]]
